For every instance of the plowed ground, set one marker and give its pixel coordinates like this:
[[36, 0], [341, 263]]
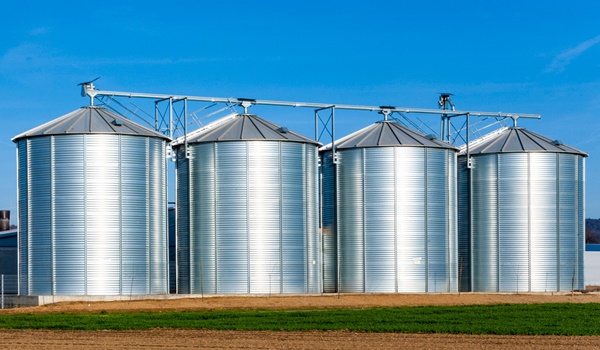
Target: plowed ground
[[206, 339]]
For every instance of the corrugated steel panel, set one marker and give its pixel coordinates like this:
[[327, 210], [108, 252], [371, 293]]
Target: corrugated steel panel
[[571, 201], [183, 224], [95, 208], [350, 222], [314, 242], [396, 219], [231, 227], [527, 215], [70, 215], [172, 250], [328, 225], [464, 226], [23, 215], [40, 220], [513, 240], [158, 223], [484, 239], [253, 211], [543, 221]]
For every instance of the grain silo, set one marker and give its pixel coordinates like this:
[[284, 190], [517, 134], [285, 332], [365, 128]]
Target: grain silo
[[92, 189], [522, 214], [395, 210], [328, 223], [247, 210]]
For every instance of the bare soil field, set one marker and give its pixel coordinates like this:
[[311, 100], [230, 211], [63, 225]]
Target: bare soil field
[[202, 339], [205, 339], [309, 302]]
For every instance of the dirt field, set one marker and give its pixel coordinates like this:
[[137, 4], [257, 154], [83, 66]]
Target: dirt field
[[201, 339], [191, 339], [310, 302]]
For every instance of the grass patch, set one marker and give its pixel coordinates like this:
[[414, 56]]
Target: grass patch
[[532, 319]]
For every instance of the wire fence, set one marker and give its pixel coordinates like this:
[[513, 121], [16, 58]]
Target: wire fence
[[9, 286]]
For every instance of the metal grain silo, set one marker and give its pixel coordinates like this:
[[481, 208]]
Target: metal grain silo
[[247, 210], [328, 223], [395, 210], [522, 214], [92, 190]]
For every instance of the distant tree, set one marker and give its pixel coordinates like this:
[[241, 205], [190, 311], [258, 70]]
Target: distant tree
[[592, 231]]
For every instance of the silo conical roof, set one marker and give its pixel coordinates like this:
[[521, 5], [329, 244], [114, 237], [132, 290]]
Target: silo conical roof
[[245, 127], [388, 134], [516, 140], [90, 120]]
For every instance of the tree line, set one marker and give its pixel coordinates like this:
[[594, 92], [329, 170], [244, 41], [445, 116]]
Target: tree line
[[592, 231]]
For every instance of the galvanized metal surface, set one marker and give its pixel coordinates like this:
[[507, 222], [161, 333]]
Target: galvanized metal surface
[[172, 251], [328, 224], [247, 216], [396, 224], [527, 222], [244, 127], [387, 133], [90, 120], [92, 92], [92, 214], [515, 140], [464, 225]]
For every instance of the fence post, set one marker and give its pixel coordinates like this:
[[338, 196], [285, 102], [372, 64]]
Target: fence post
[[2, 284]]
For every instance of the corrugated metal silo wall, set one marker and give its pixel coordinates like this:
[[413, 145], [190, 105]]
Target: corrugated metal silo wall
[[182, 234], [22, 214], [252, 221], [528, 222], [92, 215], [330, 267], [397, 220], [464, 235], [172, 251]]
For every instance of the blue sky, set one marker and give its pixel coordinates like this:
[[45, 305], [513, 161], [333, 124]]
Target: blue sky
[[520, 56]]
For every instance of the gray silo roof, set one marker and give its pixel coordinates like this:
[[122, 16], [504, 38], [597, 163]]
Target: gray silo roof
[[90, 120], [244, 127], [388, 134], [515, 140]]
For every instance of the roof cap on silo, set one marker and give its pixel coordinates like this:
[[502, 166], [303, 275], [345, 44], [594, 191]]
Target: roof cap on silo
[[518, 140], [244, 127], [90, 120], [388, 134]]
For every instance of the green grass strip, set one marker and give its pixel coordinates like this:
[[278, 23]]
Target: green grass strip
[[532, 319]]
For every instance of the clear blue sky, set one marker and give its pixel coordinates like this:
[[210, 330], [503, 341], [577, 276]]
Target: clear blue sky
[[511, 56]]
